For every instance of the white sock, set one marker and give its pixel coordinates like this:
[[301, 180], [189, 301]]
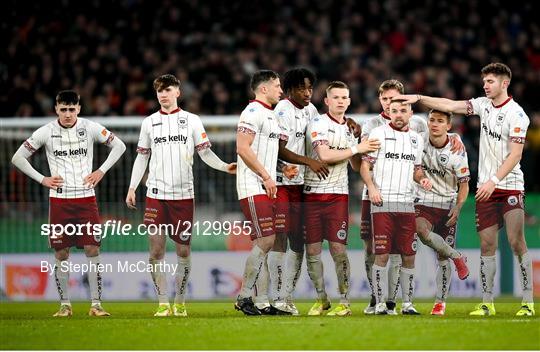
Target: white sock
[[159, 279], [443, 280], [369, 259], [407, 284], [316, 274], [254, 263], [181, 278], [275, 269], [526, 277], [394, 266], [488, 268], [440, 246], [293, 268], [343, 272], [94, 279], [260, 290], [380, 282], [61, 278]]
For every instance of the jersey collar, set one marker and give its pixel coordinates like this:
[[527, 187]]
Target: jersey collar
[[169, 113], [269, 107], [501, 104], [386, 117], [444, 145], [59, 124], [296, 105], [336, 121]]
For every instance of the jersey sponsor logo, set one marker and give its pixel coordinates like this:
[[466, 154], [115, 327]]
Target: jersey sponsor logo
[[313, 134], [517, 129], [341, 234], [104, 132], [443, 159], [429, 170], [389, 139], [512, 200], [157, 124], [71, 152], [300, 135], [491, 133], [176, 138], [81, 133], [203, 135], [274, 135], [403, 156], [464, 170], [56, 136]]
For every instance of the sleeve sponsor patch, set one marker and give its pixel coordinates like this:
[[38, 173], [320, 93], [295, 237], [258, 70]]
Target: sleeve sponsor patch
[[104, 132]]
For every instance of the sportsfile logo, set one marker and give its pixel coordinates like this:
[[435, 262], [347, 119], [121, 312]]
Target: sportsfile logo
[[171, 139], [71, 152]]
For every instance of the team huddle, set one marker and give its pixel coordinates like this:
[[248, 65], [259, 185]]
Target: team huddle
[[292, 184]]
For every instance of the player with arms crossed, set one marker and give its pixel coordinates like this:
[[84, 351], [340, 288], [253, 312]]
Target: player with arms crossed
[[396, 165], [257, 145], [69, 145], [168, 140], [501, 191], [326, 202], [437, 211]]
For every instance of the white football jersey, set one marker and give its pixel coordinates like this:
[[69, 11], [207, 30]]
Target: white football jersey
[[258, 119], [394, 165], [293, 120], [171, 139], [500, 125], [70, 153], [445, 170], [416, 123], [324, 129]]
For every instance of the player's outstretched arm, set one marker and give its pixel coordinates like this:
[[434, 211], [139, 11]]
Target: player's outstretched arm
[[443, 104], [320, 168], [244, 151], [212, 160], [330, 156]]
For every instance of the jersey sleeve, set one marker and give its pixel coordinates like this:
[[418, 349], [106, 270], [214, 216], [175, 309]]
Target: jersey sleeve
[[37, 139], [200, 138], [474, 106], [367, 127], [285, 118], [249, 123], [144, 145], [318, 131], [461, 167], [519, 123], [419, 151], [100, 133]]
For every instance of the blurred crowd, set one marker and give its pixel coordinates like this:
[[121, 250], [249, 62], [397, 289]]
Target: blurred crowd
[[111, 51]]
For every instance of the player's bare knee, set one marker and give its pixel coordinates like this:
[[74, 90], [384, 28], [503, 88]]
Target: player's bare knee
[[337, 248], [280, 243], [157, 253], [62, 254], [313, 249], [381, 259], [91, 251], [265, 243], [183, 250], [407, 261]]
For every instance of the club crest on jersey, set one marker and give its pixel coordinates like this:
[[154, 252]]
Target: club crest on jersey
[[81, 133], [443, 159], [450, 240], [414, 142], [500, 119], [182, 122], [184, 236], [341, 234], [512, 200]]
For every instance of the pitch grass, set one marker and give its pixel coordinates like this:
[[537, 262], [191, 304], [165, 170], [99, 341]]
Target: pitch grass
[[215, 325]]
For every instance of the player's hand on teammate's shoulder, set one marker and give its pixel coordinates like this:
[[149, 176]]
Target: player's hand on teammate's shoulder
[[53, 182], [231, 168], [131, 199], [456, 145], [290, 171], [91, 181], [368, 146], [320, 168]]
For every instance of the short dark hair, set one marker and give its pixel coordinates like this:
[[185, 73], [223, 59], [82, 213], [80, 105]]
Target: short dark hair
[[336, 84], [68, 97], [165, 81], [391, 84], [262, 76], [448, 114], [498, 69], [295, 78]]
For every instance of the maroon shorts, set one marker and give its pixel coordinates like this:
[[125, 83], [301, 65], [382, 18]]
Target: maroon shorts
[[259, 210], [326, 216], [68, 213], [365, 225], [176, 216], [289, 209], [492, 211], [394, 232], [438, 217]]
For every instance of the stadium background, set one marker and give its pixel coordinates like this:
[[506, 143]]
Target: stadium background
[[111, 51]]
